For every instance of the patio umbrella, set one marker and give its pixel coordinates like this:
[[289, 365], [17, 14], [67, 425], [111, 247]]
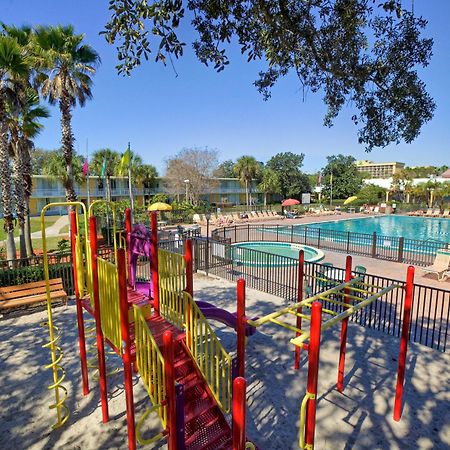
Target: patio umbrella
[[350, 199], [160, 206], [290, 202]]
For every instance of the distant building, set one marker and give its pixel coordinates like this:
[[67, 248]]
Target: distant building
[[222, 192], [379, 170], [446, 174]]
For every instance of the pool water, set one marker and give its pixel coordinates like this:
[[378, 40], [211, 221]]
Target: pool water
[[421, 228], [242, 253]]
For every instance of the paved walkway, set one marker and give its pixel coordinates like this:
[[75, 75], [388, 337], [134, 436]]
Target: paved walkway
[[388, 269], [52, 230]]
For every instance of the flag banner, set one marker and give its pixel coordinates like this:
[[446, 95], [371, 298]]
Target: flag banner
[[103, 172], [85, 168], [125, 161]]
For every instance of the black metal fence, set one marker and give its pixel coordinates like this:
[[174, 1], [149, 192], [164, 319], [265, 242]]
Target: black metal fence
[[278, 275], [410, 251]]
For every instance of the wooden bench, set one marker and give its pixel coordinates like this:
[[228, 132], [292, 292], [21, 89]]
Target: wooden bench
[[30, 293]]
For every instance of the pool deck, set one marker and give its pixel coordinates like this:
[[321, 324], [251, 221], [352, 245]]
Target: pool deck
[[374, 266], [358, 419]]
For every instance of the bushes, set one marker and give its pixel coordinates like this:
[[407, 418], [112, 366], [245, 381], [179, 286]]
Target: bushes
[[28, 274]]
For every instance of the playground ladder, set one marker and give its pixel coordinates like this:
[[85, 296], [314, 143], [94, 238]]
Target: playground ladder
[[205, 425]]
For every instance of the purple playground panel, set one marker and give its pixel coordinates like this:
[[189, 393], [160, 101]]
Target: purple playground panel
[[140, 246]]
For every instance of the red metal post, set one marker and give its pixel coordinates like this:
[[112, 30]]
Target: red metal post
[[409, 290], [128, 228], [126, 347], [80, 319], [98, 323], [300, 275], [189, 284], [241, 323], [239, 413], [340, 380], [313, 372], [154, 260], [168, 352]]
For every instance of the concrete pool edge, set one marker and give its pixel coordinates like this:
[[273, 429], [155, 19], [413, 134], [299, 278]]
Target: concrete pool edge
[[320, 254]]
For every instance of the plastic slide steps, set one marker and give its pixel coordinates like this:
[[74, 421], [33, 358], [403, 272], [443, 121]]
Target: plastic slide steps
[[205, 425]]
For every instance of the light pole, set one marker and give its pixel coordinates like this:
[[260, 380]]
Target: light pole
[[187, 187], [208, 218]]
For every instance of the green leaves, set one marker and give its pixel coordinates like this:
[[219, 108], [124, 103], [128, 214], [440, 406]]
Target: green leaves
[[354, 52], [341, 176], [292, 181]]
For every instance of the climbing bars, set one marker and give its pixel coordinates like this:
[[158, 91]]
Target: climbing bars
[[341, 290]]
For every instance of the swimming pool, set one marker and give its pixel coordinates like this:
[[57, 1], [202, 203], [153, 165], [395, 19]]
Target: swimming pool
[[420, 228], [272, 253]]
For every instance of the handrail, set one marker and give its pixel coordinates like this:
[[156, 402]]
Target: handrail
[[212, 359], [113, 208], [108, 290], [172, 282], [62, 411], [150, 364], [301, 440]]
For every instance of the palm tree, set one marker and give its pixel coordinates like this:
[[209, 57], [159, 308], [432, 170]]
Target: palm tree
[[247, 168], [110, 160], [13, 66], [24, 112], [68, 65], [55, 166], [24, 126], [270, 183], [146, 175]]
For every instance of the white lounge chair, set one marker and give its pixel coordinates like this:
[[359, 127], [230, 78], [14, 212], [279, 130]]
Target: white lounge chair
[[440, 266]]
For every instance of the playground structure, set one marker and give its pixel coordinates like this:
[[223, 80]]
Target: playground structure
[[160, 330], [169, 328], [347, 298]]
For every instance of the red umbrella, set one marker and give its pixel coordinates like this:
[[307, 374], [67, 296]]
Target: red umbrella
[[290, 202]]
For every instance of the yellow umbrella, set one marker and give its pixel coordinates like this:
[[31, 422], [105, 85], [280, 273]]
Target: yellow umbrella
[[350, 199], [160, 206]]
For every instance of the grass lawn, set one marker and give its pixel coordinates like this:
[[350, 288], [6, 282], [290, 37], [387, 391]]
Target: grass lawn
[[35, 223], [52, 243]]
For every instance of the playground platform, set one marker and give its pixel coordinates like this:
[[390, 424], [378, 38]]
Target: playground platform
[[361, 418]]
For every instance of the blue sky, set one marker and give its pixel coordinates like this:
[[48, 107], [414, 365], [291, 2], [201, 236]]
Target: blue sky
[[161, 113]]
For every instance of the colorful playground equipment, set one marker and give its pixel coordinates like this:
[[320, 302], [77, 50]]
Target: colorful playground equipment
[[339, 302], [158, 329], [187, 372]]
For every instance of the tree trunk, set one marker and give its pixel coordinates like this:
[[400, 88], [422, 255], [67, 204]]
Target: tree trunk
[[27, 146], [18, 170], [5, 183], [265, 199], [28, 241], [67, 144], [246, 193]]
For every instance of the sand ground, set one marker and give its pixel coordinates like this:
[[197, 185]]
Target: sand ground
[[360, 418]]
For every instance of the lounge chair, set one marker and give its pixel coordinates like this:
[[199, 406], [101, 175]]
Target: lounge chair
[[437, 213], [360, 270], [440, 265], [429, 212], [446, 213]]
